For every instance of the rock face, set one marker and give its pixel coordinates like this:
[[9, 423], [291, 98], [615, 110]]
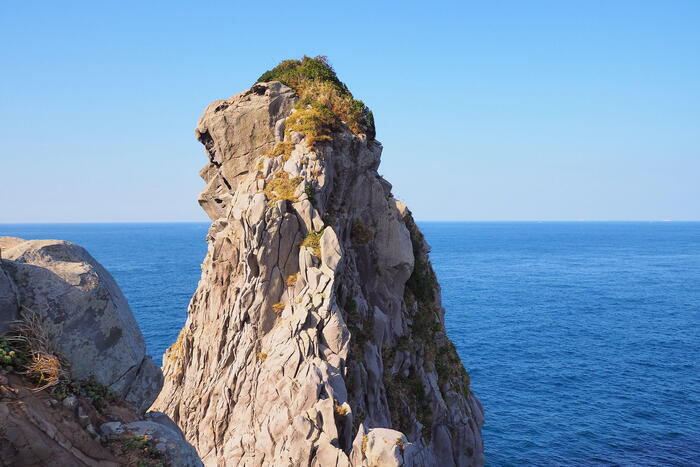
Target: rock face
[[316, 335], [9, 301], [166, 436], [89, 322], [82, 308], [38, 430]]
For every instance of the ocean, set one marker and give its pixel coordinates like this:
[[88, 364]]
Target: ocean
[[582, 338]]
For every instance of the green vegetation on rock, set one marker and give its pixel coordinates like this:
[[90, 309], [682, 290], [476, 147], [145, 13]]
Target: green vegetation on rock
[[99, 395], [324, 100], [421, 293], [12, 358], [313, 241], [281, 187]]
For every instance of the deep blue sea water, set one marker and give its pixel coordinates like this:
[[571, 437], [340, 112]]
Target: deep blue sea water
[[582, 339]]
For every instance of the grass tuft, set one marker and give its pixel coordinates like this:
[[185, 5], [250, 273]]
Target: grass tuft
[[143, 445], [324, 100], [292, 280], [282, 187], [100, 396], [41, 362], [313, 241], [283, 148], [341, 410]]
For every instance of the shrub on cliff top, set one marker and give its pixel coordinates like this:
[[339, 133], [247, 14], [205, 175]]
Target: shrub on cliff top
[[321, 92]]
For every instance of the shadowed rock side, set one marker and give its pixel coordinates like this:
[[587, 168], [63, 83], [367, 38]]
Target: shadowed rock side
[[316, 335]]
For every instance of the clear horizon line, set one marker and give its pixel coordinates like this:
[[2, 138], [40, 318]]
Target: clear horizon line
[[417, 220]]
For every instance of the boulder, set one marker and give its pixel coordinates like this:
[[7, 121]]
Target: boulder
[[85, 313], [166, 436]]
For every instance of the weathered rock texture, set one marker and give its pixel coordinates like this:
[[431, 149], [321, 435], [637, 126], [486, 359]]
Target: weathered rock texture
[[90, 324], [38, 430], [165, 435], [84, 311], [293, 355]]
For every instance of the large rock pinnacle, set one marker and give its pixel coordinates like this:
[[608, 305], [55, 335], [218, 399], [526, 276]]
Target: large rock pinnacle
[[316, 335]]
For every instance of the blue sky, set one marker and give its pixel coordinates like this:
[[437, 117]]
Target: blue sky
[[493, 110]]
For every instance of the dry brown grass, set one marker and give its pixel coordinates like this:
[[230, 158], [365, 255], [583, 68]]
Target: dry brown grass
[[317, 86], [341, 410], [343, 106], [177, 350], [313, 241], [283, 148], [282, 187], [292, 280], [314, 122], [46, 366]]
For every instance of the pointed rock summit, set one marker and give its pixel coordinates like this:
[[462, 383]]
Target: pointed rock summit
[[316, 335]]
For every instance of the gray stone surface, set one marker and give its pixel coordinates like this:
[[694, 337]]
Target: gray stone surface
[[85, 313], [343, 363], [166, 436], [9, 300]]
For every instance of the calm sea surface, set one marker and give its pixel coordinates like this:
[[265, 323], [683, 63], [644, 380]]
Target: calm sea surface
[[582, 339]]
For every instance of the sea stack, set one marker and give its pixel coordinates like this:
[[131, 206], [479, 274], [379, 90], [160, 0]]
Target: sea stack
[[316, 335]]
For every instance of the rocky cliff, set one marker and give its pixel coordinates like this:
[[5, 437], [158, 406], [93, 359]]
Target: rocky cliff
[[316, 334], [75, 379]]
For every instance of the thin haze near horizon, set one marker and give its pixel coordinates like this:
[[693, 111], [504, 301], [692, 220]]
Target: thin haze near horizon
[[504, 110]]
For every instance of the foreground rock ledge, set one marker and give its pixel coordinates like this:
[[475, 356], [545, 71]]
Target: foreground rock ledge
[[85, 313], [87, 322], [333, 353]]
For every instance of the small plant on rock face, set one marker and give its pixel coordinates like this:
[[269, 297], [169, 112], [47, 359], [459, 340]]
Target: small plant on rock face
[[283, 148], [278, 307], [40, 362], [144, 446], [292, 280], [341, 410], [99, 395], [282, 187], [11, 357], [262, 356], [45, 369], [310, 193], [312, 120], [313, 241]]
